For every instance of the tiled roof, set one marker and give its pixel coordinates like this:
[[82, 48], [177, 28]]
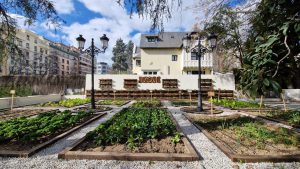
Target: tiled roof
[[164, 40]]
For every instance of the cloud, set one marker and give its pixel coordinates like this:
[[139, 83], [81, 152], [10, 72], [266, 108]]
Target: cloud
[[116, 23], [64, 6]]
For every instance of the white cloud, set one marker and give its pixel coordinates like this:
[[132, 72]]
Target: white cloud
[[116, 23], [64, 6]]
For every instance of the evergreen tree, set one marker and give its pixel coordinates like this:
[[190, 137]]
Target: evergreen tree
[[129, 52], [119, 56]]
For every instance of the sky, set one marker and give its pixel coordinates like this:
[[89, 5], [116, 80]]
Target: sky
[[93, 18]]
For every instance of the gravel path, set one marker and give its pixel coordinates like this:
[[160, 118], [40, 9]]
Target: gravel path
[[212, 157]]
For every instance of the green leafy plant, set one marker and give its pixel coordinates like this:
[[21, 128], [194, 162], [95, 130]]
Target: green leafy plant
[[66, 103], [147, 104], [132, 126]]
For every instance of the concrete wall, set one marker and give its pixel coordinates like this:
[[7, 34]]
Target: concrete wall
[[292, 94], [5, 103], [185, 82]]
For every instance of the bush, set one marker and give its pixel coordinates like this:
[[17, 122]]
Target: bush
[[20, 91]]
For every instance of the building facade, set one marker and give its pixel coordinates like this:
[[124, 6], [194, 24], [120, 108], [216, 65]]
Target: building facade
[[32, 58], [163, 54], [65, 60], [102, 68]]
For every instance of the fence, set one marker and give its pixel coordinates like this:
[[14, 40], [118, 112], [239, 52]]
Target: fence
[[43, 85]]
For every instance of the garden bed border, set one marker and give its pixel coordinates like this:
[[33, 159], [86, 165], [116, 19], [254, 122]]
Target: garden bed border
[[26, 154], [192, 155], [245, 158]]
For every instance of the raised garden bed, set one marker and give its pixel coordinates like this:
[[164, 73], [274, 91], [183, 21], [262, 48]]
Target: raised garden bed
[[134, 134], [147, 104], [66, 103], [89, 109], [17, 113], [240, 105], [206, 110], [113, 102], [291, 117], [244, 139], [179, 103], [23, 137]]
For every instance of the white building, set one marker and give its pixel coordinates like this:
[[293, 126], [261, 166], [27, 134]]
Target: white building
[[102, 68], [163, 54]]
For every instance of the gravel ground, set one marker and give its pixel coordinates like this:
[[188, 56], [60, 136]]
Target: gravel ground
[[212, 156]]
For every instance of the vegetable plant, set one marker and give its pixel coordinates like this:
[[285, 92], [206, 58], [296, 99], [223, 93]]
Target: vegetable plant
[[112, 102], [66, 103], [33, 129], [132, 126], [147, 104]]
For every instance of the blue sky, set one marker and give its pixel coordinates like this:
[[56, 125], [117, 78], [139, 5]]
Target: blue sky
[[92, 18]]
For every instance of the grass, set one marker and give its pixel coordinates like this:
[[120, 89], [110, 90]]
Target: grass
[[250, 131], [112, 102], [234, 104]]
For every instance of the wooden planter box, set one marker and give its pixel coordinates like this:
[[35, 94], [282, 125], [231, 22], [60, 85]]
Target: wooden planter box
[[105, 84], [192, 155], [245, 158], [38, 147]]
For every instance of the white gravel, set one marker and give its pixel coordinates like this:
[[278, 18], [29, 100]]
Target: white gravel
[[212, 156]]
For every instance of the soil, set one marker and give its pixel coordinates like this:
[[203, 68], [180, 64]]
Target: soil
[[7, 115], [14, 145], [229, 138], [98, 108], [150, 146], [206, 110]]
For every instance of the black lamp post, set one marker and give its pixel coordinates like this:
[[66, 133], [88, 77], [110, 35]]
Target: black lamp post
[[92, 51], [200, 50]]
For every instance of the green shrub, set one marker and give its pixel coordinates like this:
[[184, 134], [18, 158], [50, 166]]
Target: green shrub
[[147, 104], [66, 103], [21, 91], [234, 104]]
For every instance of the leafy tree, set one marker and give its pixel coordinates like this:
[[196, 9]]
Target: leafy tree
[[272, 59], [129, 52], [119, 56]]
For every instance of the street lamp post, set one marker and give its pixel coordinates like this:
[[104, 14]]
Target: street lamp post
[[92, 51], [200, 50]]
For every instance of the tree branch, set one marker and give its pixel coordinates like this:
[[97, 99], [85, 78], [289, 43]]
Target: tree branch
[[289, 52]]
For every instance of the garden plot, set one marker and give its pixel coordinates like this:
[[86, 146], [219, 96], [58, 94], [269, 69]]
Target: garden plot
[[68, 103], [113, 102], [16, 113], [290, 117], [240, 105], [135, 134], [88, 108], [184, 102], [22, 137], [249, 140]]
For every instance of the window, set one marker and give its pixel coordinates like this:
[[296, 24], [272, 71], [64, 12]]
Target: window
[[62, 72], [28, 37], [152, 39], [46, 52], [138, 62], [63, 67], [150, 72], [174, 57], [63, 60], [35, 48], [35, 41], [27, 45], [155, 73], [145, 73], [20, 43], [194, 56], [67, 61]]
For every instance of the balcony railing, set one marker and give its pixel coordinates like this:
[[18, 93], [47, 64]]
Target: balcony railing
[[194, 63]]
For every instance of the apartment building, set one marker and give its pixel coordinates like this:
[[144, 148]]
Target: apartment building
[[34, 58], [85, 64], [102, 68], [163, 54], [66, 59]]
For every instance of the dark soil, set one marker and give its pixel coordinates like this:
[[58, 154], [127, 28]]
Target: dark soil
[[206, 110], [151, 146]]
